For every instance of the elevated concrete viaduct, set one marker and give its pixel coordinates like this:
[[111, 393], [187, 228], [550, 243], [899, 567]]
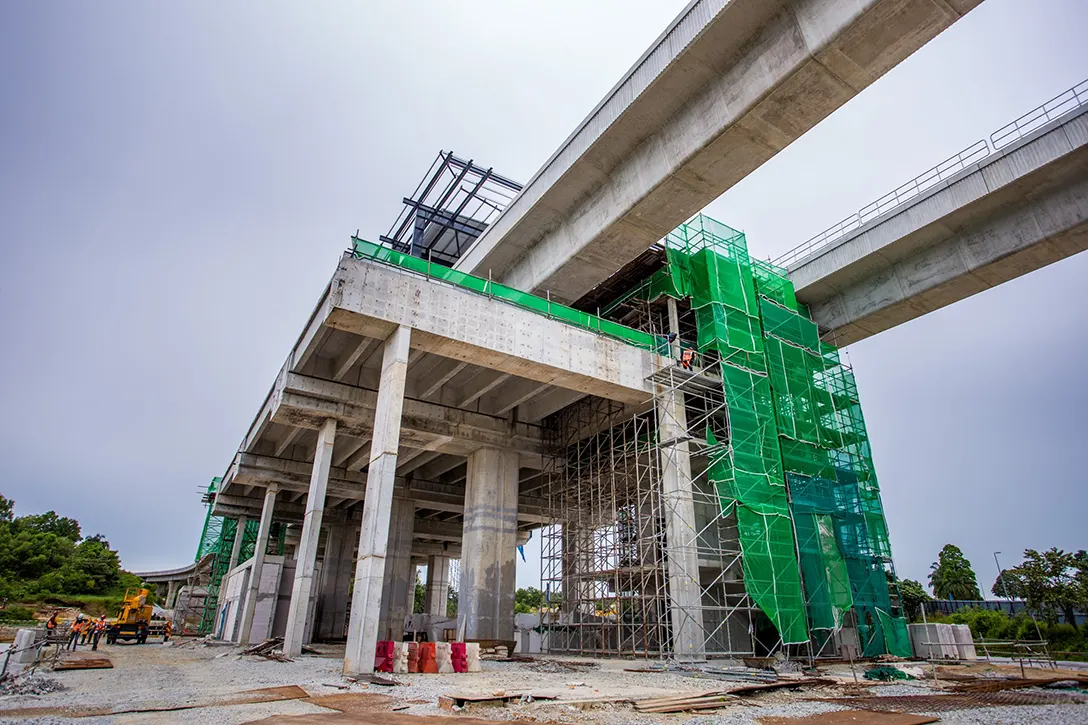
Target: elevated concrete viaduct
[[726, 87], [1011, 213]]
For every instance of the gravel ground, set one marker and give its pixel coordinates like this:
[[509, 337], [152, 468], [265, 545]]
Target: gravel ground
[[168, 675]]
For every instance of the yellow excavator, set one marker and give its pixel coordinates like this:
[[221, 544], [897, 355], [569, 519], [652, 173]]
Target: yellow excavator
[[134, 619]]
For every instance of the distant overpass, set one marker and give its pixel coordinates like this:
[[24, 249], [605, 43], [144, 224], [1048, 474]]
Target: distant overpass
[[726, 87], [993, 212]]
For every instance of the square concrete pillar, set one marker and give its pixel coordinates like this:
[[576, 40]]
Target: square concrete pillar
[[250, 603], [336, 571], [681, 534], [399, 590], [438, 586], [488, 564], [374, 536], [303, 586]]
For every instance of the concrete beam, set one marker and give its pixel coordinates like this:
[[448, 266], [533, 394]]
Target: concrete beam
[[351, 355], [287, 440], [306, 402], [370, 298], [724, 89]]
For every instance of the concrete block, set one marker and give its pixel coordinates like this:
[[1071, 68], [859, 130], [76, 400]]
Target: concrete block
[[472, 655], [443, 657], [400, 657], [965, 642]]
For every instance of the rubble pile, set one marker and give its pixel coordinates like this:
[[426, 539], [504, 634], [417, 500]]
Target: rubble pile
[[29, 684]]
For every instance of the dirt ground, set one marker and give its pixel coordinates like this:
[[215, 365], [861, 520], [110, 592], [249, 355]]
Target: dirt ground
[[188, 682]]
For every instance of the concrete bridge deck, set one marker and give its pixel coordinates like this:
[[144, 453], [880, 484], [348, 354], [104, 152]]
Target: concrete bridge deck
[[1015, 211], [726, 87]]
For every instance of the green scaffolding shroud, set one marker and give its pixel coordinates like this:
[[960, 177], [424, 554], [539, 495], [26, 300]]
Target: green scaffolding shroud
[[712, 260], [798, 471], [829, 470]]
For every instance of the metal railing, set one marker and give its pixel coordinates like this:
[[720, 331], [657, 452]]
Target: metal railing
[[1055, 108]]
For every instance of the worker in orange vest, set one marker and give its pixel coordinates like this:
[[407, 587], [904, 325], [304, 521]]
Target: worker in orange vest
[[99, 628], [73, 633], [166, 630], [51, 624], [687, 357]]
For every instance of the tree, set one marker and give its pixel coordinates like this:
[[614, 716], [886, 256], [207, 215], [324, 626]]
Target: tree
[[42, 554], [1081, 561], [451, 600], [528, 600], [420, 599], [952, 577], [50, 523], [1050, 583], [913, 596], [1008, 584]]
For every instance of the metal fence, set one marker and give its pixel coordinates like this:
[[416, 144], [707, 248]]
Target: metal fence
[[1055, 108]]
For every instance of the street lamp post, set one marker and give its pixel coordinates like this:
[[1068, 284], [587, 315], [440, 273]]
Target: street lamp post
[[1004, 585]]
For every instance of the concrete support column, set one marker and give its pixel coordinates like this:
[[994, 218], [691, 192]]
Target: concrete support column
[[303, 587], [488, 564], [235, 552], [374, 536], [399, 589], [250, 602], [681, 534], [438, 586], [335, 580]]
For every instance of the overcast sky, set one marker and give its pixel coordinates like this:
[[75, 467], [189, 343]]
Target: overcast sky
[[177, 181]]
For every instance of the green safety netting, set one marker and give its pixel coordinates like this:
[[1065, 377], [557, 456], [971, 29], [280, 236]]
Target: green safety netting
[[766, 541], [795, 430]]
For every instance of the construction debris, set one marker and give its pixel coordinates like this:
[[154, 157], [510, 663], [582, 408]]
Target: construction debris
[[686, 703], [499, 697], [1016, 684], [29, 683], [850, 717], [264, 649], [83, 661], [956, 701], [373, 679], [559, 666]]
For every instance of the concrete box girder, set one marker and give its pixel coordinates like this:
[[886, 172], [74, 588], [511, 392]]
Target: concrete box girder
[[1010, 214], [725, 88]]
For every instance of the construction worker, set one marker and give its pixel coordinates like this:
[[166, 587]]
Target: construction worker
[[73, 633], [687, 357], [51, 624], [86, 631], [166, 630], [99, 628]]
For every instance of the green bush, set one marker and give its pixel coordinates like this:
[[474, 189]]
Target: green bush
[[16, 614], [992, 625]]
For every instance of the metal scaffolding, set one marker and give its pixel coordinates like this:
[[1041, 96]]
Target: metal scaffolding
[[606, 563]]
